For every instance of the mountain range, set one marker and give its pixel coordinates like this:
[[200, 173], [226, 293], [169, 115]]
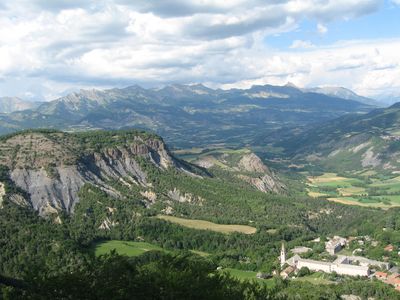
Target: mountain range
[[180, 112]]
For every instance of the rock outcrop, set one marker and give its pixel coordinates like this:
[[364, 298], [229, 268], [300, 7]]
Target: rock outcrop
[[246, 166], [177, 195], [252, 163], [52, 167], [266, 183]]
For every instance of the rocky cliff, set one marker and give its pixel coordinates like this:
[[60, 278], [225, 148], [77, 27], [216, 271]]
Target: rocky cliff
[[246, 166], [50, 167]]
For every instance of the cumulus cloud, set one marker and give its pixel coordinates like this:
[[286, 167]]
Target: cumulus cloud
[[58, 45], [368, 67]]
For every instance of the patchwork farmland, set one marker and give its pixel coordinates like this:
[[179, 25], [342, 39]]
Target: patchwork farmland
[[364, 189]]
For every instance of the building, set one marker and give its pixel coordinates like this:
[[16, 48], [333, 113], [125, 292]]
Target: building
[[362, 261], [300, 250], [289, 270], [389, 248], [394, 280], [381, 275], [334, 245], [283, 255], [343, 265]]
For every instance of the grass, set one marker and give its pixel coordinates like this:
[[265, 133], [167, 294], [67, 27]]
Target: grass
[[205, 225], [360, 202], [132, 248], [124, 247], [316, 194], [200, 253], [351, 191]]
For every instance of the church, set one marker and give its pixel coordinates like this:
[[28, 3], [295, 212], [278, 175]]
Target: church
[[343, 265]]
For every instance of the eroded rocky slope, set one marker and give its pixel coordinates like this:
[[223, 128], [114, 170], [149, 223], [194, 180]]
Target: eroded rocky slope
[[46, 169]]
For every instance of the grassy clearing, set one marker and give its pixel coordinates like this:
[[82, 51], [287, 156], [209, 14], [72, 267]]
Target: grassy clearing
[[351, 191], [205, 225], [354, 201], [132, 248], [316, 194], [325, 178], [241, 274], [200, 253], [124, 248]]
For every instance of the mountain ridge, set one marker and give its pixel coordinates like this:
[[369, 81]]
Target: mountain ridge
[[51, 166], [178, 112], [363, 141]]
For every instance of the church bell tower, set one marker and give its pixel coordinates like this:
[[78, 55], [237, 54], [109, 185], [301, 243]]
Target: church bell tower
[[283, 255]]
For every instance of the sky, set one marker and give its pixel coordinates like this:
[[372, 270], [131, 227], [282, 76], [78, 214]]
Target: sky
[[50, 48]]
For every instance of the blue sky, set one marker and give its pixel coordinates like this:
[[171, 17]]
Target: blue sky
[[50, 48], [381, 24]]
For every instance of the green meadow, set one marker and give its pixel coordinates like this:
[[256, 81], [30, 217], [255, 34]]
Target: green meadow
[[124, 247]]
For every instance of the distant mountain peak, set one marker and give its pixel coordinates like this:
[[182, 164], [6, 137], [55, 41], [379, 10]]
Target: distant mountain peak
[[344, 93], [292, 85], [12, 104]]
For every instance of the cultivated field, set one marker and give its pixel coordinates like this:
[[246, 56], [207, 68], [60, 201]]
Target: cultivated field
[[205, 225], [364, 189]]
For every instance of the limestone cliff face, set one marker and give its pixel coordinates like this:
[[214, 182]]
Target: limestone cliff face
[[266, 181], [247, 167], [252, 163], [51, 168]]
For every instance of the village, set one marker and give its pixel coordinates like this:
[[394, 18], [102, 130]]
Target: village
[[342, 265]]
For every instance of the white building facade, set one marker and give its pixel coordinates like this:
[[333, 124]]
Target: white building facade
[[342, 266]]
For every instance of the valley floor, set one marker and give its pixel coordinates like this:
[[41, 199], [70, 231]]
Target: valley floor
[[363, 189]]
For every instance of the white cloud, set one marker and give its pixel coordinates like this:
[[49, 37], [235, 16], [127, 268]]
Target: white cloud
[[368, 67], [298, 44], [321, 28], [47, 47]]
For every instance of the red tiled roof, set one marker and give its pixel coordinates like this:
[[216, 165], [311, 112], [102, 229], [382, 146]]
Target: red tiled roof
[[381, 274], [388, 248], [393, 281]]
